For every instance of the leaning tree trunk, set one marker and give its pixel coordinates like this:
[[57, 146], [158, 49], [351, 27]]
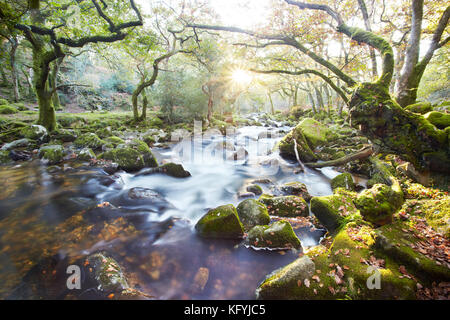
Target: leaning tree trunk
[[53, 80]]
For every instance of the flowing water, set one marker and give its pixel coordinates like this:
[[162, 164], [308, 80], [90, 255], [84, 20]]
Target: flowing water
[[50, 217]]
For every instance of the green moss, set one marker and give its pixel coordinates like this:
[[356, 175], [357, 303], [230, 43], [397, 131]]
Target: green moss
[[89, 140], [439, 119], [51, 154], [65, 135], [127, 158], [287, 146], [297, 189], [278, 235], [86, 154], [7, 109], [332, 211], [254, 188], [252, 213], [378, 204], [3, 101], [115, 141], [175, 170], [315, 133], [420, 107], [35, 132], [221, 222], [4, 157], [344, 180], [285, 206], [144, 151]]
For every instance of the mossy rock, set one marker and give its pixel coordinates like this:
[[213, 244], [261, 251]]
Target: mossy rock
[[5, 158], [278, 235], [289, 283], [395, 240], [439, 119], [51, 154], [115, 141], [378, 203], [107, 273], [285, 206], [252, 213], [287, 146], [344, 180], [127, 158], [221, 222], [20, 143], [3, 101], [65, 135], [7, 109], [144, 151], [89, 140], [296, 188], [35, 132], [254, 188], [333, 210], [315, 132], [175, 170], [420, 107], [86, 154], [149, 139]]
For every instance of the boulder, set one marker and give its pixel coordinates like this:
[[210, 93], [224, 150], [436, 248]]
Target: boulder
[[344, 180], [35, 132], [107, 273], [252, 212], [89, 140], [51, 154], [255, 189], [439, 119], [285, 206], [378, 203], [175, 170], [315, 132], [296, 188], [278, 235], [132, 157], [282, 282], [420, 107], [65, 135], [21, 143], [86, 154], [221, 222]]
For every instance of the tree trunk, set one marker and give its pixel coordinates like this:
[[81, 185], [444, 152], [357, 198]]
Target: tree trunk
[[373, 57], [144, 107], [272, 109], [12, 59], [53, 80]]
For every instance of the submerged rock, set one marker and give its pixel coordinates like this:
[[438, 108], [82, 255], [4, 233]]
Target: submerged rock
[[278, 235], [51, 154], [252, 212], [344, 180], [378, 204], [221, 222], [283, 283], [297, 189], [107, 272], [285, 206]]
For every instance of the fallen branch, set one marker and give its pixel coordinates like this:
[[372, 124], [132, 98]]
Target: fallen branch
[[297, 156], [361, 154]]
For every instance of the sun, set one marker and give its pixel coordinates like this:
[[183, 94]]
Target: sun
[[241, 77]]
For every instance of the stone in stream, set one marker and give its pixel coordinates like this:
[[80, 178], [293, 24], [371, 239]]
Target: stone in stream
[[255, 189], [278, 235], [280, 283], [200, 280], [170, 169], [252, 212], [21, 143], [144, 197], [89, 140], [86, 154], [132, 157], [221, 222], [20, 155], [332, 210], [343, 180], [297, 189], [35, 132], [51, 154], [285, 206], [4, 157]]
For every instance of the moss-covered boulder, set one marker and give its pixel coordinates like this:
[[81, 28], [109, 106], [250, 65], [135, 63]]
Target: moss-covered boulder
[[107, 273], [344, 180], [333, 210], [255, 189], [113, 140], [288, 142], [143, 149], [439, 119], [20, 143], [175, 170], [343, 271], [7, 109], [296, 188], [315, 132], [420, 107], [35, 132], [127, 159], [278, 235], [3, 101], [378, 203], [65, 135], [252, 213], [89, 140], [86, 154], [285, 206], [51, 154], [4, 157], [282, 283], [221, 222], [404, 244]]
